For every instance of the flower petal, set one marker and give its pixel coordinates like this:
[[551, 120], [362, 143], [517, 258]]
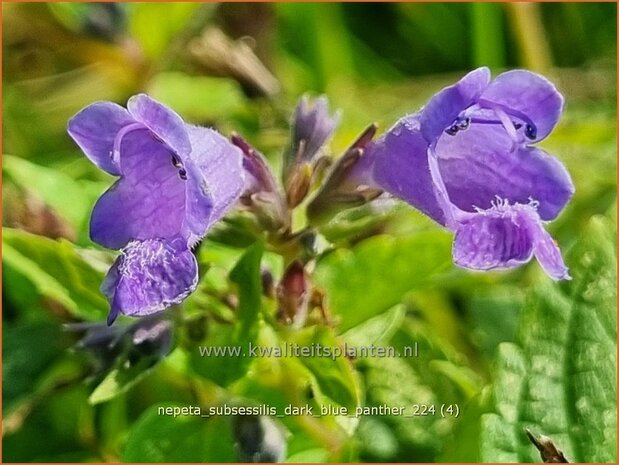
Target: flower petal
[[149, 199], [219, 165], [94, 129], [506, 236], [493, 239], [150, 276], [166, 124], [445, 106], [481, 163], [548, 255], [258, 175], [527, 93], [401, 167]]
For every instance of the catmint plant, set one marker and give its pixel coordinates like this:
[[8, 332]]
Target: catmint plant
[[468, 160]]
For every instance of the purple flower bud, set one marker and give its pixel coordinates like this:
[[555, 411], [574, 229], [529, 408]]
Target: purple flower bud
[[175, 181], [466, 161], [311, 127], [262, 194], [345, 186]]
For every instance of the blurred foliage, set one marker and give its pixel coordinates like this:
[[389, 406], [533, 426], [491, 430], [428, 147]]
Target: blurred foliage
[[511, 349]]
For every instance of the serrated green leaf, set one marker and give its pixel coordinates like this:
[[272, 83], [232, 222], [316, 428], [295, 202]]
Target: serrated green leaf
[[376, 274], [432, 378], [559, 378], [394, 383], [37, 268], [568, 336]]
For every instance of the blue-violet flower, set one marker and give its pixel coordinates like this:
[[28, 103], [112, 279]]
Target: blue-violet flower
[[175, 181], [467, 160]]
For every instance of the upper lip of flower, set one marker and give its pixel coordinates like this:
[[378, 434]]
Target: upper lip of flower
[[157, 156], [527, 99], [478, 135]]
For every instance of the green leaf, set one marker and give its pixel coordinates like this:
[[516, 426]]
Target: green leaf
[[246, 275], [226, 368], [377, 329], [158, 438], [44, 271], [119, 380], [335, 376], [155, 25], [559, 379], [376, 275]]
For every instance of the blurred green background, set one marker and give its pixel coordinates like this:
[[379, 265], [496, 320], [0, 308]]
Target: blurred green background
[[504, 346]]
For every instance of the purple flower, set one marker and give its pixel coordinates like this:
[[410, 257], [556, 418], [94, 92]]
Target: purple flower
[[175, 181], [467, 161]]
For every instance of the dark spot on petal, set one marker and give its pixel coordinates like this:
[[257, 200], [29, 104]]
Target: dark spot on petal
[[182, 174], [530, 131], [452, 130], [463, 124], [517, 126], [176, 162], [459, 124]]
